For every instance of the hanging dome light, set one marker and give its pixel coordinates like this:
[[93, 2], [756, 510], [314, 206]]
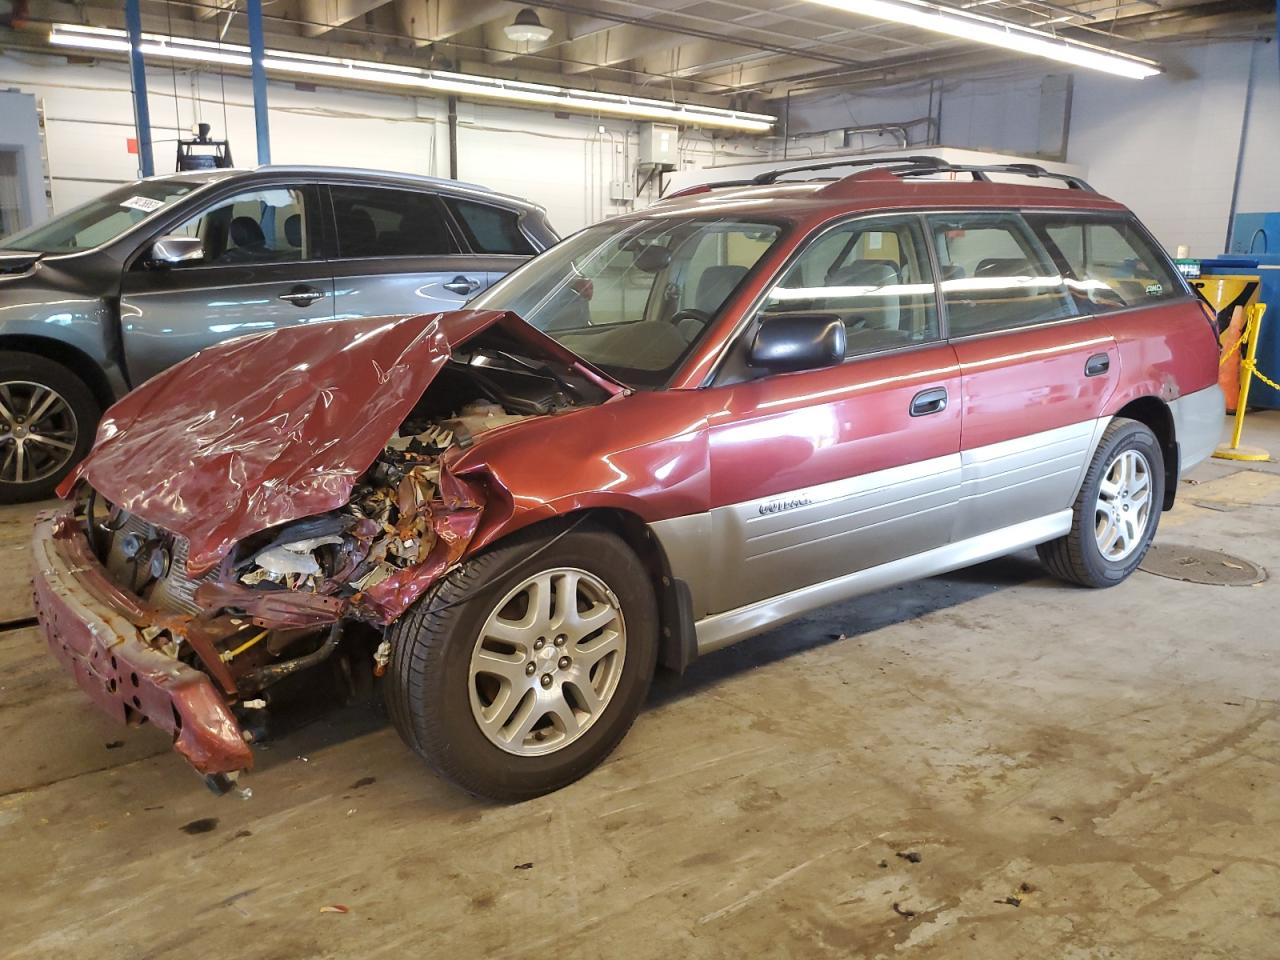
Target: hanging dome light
[[527, 28]]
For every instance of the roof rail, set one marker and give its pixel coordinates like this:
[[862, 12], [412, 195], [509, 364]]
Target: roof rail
[[771, 176], [910, 166]]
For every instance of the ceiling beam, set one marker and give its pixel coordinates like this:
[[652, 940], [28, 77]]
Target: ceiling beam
[[618, 44], [320, 16], [430, 21], [712, 30]]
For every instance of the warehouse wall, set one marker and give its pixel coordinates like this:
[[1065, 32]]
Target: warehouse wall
[[1167, 146], [564, 162]]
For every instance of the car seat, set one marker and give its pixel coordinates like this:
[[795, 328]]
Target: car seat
[[293, 230], [714, 286]]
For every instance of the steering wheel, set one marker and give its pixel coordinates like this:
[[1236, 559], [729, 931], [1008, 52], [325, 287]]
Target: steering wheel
[[691, 313]]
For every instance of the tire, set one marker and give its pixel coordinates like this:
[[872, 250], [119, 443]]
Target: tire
[[1079, 556], [436, 698], [31, 469]]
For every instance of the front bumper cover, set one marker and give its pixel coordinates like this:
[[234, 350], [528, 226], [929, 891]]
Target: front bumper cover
[[96, 631]]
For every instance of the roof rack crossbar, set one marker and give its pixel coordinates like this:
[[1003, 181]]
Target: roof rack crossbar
[[980, 172], [772, 176]]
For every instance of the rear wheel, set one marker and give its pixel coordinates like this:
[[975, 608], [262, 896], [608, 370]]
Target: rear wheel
[[47, 422], [1116, 512], [523, 669]]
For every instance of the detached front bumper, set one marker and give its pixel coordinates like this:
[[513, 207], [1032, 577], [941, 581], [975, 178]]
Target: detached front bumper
[[96, 630]]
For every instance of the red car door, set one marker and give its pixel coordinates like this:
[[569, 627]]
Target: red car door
[[818, 474], [1036, 372]]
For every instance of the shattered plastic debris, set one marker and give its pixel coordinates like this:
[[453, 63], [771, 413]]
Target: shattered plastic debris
[[406, 523], [291, 558], [381, 658]]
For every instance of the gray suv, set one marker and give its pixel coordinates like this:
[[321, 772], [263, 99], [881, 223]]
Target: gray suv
[[96, 301]]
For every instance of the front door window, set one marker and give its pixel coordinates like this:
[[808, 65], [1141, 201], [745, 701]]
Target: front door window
[[266, 226]]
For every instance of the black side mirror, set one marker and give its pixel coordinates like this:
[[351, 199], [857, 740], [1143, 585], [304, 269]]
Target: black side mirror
[[797, 342]]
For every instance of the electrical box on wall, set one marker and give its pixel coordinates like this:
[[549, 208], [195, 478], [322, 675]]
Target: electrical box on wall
[[659, 145], [620, 191]]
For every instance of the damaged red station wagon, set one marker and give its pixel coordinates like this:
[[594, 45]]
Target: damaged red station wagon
[[671, 431]]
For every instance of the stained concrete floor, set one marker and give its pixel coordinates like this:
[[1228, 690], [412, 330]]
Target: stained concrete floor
[[984, 765]]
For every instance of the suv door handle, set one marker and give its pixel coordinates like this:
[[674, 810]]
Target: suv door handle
[[302, 296], [933, 400], [1097, 365], [462, 285]]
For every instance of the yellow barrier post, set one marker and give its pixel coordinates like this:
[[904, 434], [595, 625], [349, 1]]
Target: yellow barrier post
[[1248, 367]]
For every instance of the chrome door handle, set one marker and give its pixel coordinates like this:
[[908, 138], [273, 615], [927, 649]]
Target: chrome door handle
[[462, 285], [302, 296], [933, 400], [1097, 365]]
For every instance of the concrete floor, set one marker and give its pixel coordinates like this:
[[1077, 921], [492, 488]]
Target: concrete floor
[[1076, 775]]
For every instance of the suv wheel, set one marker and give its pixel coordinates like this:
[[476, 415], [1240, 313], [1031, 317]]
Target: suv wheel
[[1116, 513], [47, 422], [523, 669]]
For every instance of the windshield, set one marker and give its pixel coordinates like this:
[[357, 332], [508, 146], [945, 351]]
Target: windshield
[[634, 297], [98, 221]]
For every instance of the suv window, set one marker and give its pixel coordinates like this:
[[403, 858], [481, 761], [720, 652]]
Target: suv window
[[1113, 264], [256, 227], [490, 229], [873, 274], [100, 220], [384, 222], [995, 274]]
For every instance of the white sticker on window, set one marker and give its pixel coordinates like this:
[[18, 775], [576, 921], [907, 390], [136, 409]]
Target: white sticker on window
[[1154, 289], [145, 204]]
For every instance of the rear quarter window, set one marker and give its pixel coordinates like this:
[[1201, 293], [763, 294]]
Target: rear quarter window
[[490, 229], [1111, 262]]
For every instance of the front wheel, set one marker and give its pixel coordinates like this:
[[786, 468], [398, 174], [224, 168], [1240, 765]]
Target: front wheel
[[1116, 512], [523, 669], [47, 422]]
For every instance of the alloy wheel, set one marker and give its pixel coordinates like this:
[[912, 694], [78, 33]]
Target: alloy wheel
[[38, 432], [1124, 505], [547, 661]]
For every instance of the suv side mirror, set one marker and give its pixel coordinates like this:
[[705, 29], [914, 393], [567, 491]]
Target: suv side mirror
[[797, 342], [176, 249]]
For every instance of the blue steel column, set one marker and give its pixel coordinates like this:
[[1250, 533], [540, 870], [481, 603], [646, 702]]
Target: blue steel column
[[141, 112], [259, 82]]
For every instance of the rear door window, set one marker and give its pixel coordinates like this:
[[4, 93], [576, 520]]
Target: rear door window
[[996, 275], [386, 222], [874, 275], [1112, 263], [490, 229]]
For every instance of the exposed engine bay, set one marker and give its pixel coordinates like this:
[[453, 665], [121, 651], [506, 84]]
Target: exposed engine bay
[[283, 599], [386, 526]]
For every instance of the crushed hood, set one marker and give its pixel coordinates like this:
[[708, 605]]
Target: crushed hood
[[277, 426]]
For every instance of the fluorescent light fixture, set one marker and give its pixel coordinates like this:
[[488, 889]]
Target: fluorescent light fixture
[[398, 75], [998, 33]]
